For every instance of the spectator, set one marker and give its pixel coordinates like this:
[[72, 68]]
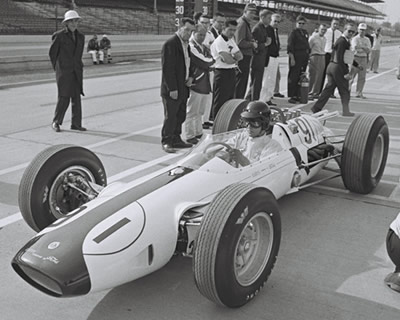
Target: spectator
[[298, 50], [361, 47], [175, 83], [218, 24], [226, 54], [392, 280], [277, 84], [196, 17], [332, 34], [376, 50], [93, 48], [105, 49], [65, 53], [205, 21], [260, 57], [200, 91], [247, 45], [337, 73], [271, 72], [317, 61]]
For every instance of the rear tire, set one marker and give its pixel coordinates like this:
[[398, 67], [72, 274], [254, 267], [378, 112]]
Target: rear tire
[[228, 117], [237, 244], [365, 152], [42, 195]]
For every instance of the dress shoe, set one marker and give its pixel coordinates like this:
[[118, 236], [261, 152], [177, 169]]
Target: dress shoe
[[56, 127], [167, 147], [192, 140], [279, 95], [78, 128], [348, 114], [361, 96], [208, 123], [293, 100], [180, 144], [270, 103], [333, 96], [199, 136], [392, 280], [205, 126], [101, 62]]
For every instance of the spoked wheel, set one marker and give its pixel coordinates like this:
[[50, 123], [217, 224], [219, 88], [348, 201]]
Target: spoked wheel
[[58, 180], [365, 152], [237, 244]]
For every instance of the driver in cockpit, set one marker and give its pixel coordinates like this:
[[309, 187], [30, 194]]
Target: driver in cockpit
[[255, 142]]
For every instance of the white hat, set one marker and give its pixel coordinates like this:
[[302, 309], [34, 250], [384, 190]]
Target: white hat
[[71, 14], [104, 36], [362, 26]]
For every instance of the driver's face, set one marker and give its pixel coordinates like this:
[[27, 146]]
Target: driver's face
[[254, 128]]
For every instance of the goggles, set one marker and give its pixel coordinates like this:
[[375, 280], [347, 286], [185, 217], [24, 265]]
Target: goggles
[[252, 123]]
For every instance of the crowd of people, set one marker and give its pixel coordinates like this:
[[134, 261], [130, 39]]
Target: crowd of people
[[238, 59]]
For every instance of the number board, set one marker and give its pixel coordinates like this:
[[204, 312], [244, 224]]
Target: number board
[[187, 8]]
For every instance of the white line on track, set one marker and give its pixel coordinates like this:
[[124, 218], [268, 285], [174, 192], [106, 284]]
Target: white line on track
[[91, 146], [17, 216]]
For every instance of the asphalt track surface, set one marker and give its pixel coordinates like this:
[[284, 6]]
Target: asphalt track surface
[[332, 259]]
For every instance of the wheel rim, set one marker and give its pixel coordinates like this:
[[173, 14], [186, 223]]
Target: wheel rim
[[62, 198], [253, 248], [377, 155]]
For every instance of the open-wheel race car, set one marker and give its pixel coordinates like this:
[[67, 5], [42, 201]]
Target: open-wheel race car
[[92, 236]]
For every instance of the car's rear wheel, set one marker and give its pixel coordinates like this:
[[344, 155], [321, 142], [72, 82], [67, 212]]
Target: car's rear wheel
[[52, 184], [228, 117], [365, 152], [237, 244]]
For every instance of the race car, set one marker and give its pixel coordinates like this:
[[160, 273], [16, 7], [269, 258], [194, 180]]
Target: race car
[[93, 236]]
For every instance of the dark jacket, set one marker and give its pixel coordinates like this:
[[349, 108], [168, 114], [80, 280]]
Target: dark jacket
[[298, 42], [260, 57], [273, 49], [105, 43], [93, 44], [66, 59], [243, 36], [173, 68], [200, 65]]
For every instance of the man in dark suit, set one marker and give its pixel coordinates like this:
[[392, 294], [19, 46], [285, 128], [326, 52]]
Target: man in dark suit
[[175, 83], [338, 73], [247, 44], [260, 57], [66, 57]]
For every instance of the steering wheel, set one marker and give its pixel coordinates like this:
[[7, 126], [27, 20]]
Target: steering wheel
[[228, 148], [281, 114]]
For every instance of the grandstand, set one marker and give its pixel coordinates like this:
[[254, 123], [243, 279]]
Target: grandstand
[[139, 16]]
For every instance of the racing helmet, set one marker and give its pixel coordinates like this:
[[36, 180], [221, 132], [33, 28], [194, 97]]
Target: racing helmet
[[257, 111]]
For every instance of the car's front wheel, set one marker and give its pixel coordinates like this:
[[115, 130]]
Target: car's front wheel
[[56, 182], [365, 152], [237, 244]]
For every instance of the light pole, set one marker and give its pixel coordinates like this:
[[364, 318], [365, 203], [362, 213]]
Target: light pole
[[155, 6]]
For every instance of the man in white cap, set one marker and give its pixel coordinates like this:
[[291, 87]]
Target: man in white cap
[[66, 58], [361, 46], [105, 49]]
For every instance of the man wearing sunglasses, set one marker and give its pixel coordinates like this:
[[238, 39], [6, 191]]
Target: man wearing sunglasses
[[338, 73], [298, 50], [255, 142]]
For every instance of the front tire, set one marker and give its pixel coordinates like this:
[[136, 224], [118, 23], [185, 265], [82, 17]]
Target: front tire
[[228, 117], [237, 244], [365, 152], [44, 195]]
